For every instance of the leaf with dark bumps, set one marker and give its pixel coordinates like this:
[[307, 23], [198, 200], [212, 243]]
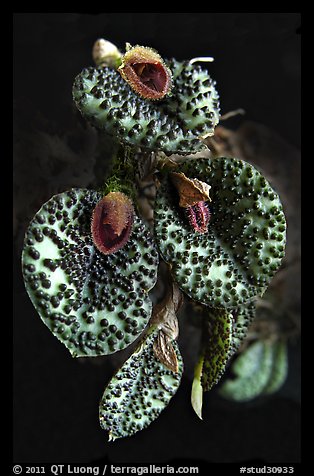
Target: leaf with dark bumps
[[217, 349], [139, 391], [95, 304], [174, 124], [223, 333], [238, 255]]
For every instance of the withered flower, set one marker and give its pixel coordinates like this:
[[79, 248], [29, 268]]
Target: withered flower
[[165, 318], [193, 195]]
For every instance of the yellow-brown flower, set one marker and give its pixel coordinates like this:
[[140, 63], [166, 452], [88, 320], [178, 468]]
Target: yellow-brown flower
[[146, 73]]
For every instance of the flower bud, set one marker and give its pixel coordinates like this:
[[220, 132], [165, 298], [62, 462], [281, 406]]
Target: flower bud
[[106, 53]]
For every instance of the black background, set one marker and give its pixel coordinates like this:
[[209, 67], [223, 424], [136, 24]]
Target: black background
[[257, 67]]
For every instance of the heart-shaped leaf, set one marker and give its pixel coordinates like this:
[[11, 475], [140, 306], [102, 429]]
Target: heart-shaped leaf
[[235, 259], [95, 304], [174, 124]]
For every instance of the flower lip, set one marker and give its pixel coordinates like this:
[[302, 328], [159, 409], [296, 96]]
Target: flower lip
[[112, 222], [146, 73], [153, 76]]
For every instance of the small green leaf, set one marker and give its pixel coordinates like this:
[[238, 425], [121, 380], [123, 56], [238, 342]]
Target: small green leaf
[[139, 391], [95, 304], [197, 389], [217, 348], [223, 332]]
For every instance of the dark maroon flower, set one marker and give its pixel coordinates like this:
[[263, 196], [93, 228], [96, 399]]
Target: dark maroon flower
[[112, 222], [146, 73], [198, 216]]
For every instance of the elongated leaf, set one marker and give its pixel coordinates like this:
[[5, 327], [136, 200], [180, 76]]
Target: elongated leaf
[[218, 347], [139, 391], [197, 388], [223, 332]]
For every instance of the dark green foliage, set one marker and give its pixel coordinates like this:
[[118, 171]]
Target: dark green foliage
[[259, 370], [94, 304], [224, 331], [139, 391], [217, 348], [244, 245], [174, 124]]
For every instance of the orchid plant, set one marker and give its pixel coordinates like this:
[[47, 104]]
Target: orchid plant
[[215, 226]]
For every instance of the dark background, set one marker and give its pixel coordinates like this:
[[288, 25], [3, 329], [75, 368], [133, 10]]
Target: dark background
[[257, 68]]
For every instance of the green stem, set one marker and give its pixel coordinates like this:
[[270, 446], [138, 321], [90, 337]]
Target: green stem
[[123, 173]]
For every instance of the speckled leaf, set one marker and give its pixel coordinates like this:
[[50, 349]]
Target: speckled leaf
[[93, 303], [235, 259], [174, 125], [223, 332], [241, 319], [139, 391], [217, 348], [254, 371]]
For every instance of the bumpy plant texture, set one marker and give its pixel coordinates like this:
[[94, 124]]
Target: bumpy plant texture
[[89, 261], [245, 240], [260, 370], [174, 124], [93, 303], [223, 334], [139, 391]]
